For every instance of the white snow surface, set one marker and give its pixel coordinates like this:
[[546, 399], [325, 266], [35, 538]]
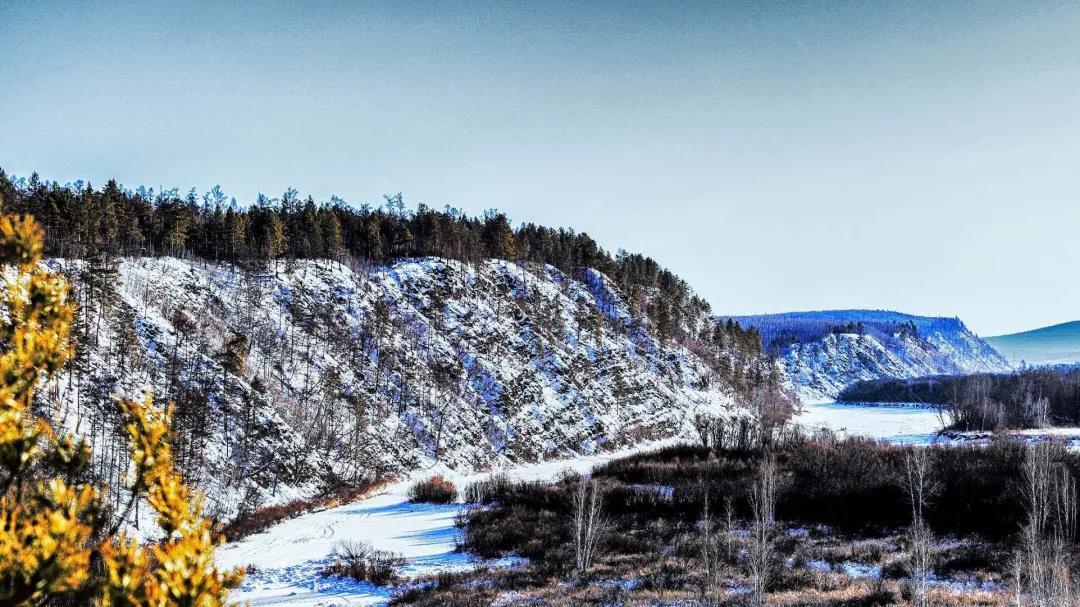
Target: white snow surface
[[900, 423], [288, 557]]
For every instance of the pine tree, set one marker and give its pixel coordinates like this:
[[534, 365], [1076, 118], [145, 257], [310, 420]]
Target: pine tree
[[308, 230], [501, 242], [374, 240], [234, 230], [331, 234], [662, 321], [274, 237]]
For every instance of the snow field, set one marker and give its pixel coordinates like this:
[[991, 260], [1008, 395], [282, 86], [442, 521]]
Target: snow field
[[288, 558]]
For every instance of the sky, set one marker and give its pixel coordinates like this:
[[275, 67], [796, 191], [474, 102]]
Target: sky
[[920, 157]]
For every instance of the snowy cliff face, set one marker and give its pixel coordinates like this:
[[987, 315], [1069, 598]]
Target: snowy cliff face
[[289, 376], [824, 352]]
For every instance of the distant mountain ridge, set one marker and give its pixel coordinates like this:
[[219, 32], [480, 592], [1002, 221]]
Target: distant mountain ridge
[[825, 351], [1053, 345]]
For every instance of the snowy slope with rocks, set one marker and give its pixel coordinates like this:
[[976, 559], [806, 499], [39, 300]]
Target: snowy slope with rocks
[[307, 373], [824, 352]]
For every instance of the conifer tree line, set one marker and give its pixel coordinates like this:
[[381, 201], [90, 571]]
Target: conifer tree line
[[85, 222]]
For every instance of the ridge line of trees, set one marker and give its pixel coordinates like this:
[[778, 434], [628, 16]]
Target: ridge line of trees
[[103, 224], [85, 222], [1025, 398]]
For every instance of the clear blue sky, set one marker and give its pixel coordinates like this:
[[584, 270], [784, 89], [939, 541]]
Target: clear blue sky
[[778, 156]]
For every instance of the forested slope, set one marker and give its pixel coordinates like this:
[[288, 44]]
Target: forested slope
[[291, 377], [309, 346]]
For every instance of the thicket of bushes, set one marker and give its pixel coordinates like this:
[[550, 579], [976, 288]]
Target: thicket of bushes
[[363, 563], [434, 490], [487, 490], [842, 500], [851, 485]]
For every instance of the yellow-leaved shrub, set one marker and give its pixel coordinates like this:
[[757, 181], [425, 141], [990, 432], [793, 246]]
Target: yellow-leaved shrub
[[55, 542]]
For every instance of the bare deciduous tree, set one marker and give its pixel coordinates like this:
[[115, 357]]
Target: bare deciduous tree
[[1040, 411], [590, 524], [762, 550], [711, 556], [1043, 561], [920, 486]]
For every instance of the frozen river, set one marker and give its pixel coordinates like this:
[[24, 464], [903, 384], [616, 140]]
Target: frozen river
[[902, 423]]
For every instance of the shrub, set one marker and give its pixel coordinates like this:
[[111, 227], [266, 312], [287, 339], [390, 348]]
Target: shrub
[[488, 490], [435, 490], [361, 562]]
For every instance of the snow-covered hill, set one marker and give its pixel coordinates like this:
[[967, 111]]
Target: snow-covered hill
[[292, 377], [823, 352]]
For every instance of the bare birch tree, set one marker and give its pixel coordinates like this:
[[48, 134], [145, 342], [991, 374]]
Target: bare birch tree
[[920, 486], [711, 555], [590, 524], [762, 551], [1044, 556]]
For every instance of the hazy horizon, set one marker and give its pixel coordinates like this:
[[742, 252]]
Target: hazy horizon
[[779, 157]]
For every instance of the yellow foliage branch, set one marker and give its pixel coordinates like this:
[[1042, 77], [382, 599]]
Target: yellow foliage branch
[[50, 530]]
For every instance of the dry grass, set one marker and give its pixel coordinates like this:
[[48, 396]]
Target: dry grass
[[361, 562], [264, 518]]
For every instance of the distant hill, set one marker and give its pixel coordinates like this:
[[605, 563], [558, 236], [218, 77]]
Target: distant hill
[[823, 352], [1057, 344]]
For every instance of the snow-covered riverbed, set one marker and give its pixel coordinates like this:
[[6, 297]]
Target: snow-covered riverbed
[[905, 423], [287, 558], [909, 424]]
